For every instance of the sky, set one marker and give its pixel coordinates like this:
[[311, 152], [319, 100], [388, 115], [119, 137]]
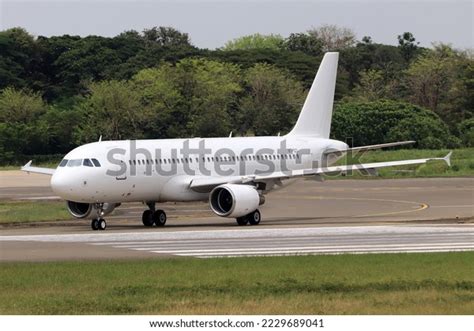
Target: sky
[[211, 23]]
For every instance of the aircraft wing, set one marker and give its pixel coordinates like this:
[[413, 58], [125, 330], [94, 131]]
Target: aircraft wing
[[45, 171], [204, 184]]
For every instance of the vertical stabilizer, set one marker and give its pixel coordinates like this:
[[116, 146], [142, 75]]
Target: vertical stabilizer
[[315, 117]]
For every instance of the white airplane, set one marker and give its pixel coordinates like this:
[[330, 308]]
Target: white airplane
[[232, 173]]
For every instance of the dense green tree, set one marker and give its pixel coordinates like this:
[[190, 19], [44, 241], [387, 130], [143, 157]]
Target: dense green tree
[[439, 80], [156, 84], [373, 86], [366, 56], [272, 101], [408, 45], [20, 60], [194, 98], [22, 131], [333, 37], [368, 123], [255, 41], [304, 42], [159, 92], [166, 37], [466, 130], [111, 110]]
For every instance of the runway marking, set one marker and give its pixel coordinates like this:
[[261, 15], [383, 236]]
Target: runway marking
[[454, 206], [49, 197], [422, 205], [328, 252], [304, 248], [279, 241]]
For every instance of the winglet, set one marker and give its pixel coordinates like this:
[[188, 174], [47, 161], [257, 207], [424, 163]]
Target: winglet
[[447, 158], [27, 165]]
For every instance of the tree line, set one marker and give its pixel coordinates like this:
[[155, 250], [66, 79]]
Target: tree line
[[61, 91]]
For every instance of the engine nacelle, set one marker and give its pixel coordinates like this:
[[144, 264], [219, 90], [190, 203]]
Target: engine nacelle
[[234, 200], [82, 210]]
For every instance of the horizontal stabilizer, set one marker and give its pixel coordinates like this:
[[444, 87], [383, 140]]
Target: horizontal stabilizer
[[370, 147]]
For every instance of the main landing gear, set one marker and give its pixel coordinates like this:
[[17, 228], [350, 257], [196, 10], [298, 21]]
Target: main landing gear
[[152, 216], [99, 223], [253, 218]]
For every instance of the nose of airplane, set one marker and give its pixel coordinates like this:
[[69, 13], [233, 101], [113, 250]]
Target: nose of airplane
[[61, 184]]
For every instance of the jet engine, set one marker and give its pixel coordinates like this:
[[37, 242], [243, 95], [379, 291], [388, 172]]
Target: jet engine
[[234, 200], [82, 210]]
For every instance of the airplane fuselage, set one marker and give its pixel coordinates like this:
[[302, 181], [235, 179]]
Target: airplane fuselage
[[162, 169]]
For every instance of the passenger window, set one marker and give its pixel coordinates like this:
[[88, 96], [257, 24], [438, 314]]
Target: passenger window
[[96, 162], [63, 163], [87, 163]]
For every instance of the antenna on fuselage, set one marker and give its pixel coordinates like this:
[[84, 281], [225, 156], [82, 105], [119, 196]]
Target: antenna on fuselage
[[100, 138], [230, 134]]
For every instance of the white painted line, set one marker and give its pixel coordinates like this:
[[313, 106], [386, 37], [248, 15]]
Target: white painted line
[[302, 248], [465, 229], [374, 250], [334, 253]]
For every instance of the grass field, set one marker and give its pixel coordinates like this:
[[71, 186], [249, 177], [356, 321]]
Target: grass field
[[430, 283], [28, 211]]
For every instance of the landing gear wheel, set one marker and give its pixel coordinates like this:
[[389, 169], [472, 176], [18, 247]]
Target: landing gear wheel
[[102, 224], [242, 220], [159, 217], [147, 218], [95, 224], [254, 218]]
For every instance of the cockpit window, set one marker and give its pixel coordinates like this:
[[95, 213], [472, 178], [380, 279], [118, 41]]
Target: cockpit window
[[74, 163], [87, 163], [63, 163], [96, 163]]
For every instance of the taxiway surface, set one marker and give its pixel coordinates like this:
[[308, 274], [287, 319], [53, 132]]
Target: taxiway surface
[[308, 217]]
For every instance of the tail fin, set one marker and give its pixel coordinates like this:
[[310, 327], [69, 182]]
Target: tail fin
[[315, 117]]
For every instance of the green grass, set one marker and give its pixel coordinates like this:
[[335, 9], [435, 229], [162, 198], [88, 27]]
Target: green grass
[[32, 211], [434, 283], [462, 163]]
